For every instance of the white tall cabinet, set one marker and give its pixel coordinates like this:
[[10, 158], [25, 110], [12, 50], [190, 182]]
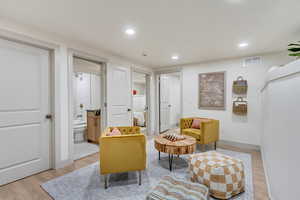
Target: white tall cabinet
[[280, 140]]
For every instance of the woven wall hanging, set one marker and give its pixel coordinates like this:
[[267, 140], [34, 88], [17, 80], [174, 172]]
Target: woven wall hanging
[[240, 86], [240, 106]]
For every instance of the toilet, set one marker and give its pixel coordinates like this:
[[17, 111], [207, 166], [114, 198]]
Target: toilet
[[79, 131]]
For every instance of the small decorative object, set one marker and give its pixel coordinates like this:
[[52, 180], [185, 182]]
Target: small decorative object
[[174, 137], [294, 48], [240, 86], [240, 106], [134, 92], [212, 91]]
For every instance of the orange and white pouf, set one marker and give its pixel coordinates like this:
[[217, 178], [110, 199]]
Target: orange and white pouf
[[223, 175]]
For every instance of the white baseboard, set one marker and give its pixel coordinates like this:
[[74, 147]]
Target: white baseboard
[[266, 174], [240, 145]]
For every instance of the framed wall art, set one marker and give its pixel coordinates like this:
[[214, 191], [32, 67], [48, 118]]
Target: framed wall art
[[212, 91]]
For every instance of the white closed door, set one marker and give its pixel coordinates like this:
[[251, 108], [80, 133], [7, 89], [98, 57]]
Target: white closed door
[[24, 103], [119, 102], [164, 98]]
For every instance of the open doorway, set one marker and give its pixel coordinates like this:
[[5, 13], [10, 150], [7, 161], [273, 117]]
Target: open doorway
[[140, 101], [169, 101], [87, 95]]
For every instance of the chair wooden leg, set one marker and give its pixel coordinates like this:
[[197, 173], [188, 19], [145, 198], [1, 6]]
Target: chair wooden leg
[[105, 181], [215, 145], [140, 177]]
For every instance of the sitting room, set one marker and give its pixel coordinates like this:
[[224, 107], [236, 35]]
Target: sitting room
[[149, 100]]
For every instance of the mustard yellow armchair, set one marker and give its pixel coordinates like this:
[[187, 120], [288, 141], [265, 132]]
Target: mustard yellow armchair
[[123, 153], [208, 132]]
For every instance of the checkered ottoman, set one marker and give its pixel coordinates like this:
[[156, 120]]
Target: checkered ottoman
[[223, 175], [171, 188]]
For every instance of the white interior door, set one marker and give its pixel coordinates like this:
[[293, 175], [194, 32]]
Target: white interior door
[[24, 103], [119, 111], [174, 89], [165, 106]]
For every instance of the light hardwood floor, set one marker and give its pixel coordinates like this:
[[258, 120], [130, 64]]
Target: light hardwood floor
[[29, 188]]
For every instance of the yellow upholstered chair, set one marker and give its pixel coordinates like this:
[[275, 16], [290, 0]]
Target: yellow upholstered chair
[[208, 133], [123, 153]]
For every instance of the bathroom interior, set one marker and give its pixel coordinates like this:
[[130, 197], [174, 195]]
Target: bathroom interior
[[139, 99], [87, 104]]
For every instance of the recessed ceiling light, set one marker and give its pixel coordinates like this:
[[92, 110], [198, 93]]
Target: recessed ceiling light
[[175, 57], [130, 31], [243, 44]]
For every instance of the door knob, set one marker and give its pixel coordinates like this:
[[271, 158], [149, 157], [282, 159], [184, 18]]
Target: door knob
[[48, 116], [129, 109]]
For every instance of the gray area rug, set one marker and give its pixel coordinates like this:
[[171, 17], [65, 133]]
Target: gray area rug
[[87, 184]]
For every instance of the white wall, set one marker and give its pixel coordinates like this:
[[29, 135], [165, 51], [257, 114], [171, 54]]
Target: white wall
[[140, 88], [81, 65], [14, 30], [232, 128], [95, 92], [280, 138], [82, 94], [61, 113], [86, 92]]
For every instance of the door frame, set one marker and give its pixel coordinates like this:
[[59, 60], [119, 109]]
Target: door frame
[[72, 53], [148, 96], [157, 94], [53, 49]]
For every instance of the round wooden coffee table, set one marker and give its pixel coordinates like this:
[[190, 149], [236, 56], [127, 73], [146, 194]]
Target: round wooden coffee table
[[185, 146]]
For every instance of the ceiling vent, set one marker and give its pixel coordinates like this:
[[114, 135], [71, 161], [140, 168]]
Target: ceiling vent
[[252, 61]]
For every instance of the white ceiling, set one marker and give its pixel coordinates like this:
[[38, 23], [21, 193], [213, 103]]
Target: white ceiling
[[196, 30]]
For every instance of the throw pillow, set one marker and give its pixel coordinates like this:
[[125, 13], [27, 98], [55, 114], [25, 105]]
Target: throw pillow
[[196, 123], [114, 132]]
